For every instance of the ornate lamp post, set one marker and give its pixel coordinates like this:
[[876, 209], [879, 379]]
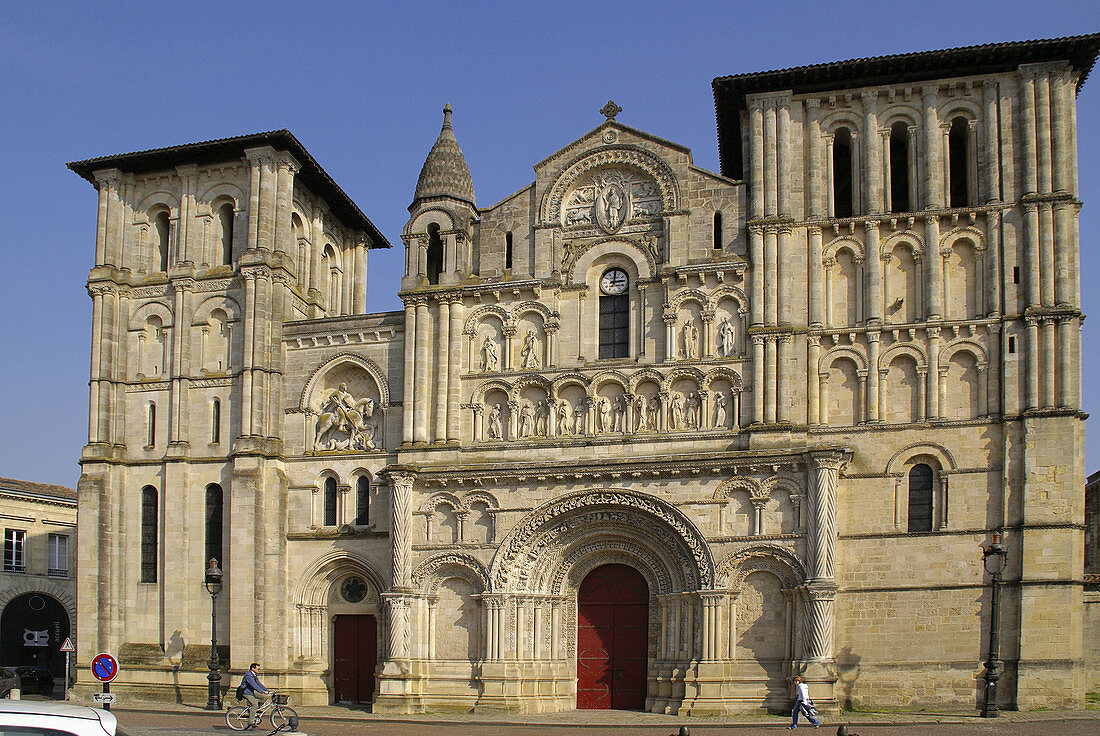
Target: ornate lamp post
[[994, 557], [213, 582]]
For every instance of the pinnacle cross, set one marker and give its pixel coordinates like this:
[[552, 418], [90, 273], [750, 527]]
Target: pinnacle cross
[[610, 110]]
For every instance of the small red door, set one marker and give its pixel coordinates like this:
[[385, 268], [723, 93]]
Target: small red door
[[612, 639], [355, 656]]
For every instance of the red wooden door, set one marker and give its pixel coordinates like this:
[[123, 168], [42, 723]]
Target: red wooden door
[[355, 656], [612, 639]]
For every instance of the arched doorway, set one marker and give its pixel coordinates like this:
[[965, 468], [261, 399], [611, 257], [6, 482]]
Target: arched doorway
[[612, 639], [32, 628]]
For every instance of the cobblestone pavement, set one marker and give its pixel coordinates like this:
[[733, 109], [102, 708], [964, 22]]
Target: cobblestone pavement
[[182, 721]]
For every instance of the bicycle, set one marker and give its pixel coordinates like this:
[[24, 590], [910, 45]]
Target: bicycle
[[237, 719]]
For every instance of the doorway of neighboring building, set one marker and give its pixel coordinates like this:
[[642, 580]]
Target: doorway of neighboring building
[[355, 657], [612, 639], [32, 628]]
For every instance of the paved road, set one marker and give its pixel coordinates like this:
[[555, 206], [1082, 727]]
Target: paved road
[[147, 723]]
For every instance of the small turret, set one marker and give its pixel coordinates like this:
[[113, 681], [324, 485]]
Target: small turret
[[445, 174]]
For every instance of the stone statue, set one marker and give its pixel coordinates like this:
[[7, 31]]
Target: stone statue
[[542, 419], [342, 422], [530, 351], [726, 337], [720, 409], [496, 430], [580, 412], [605, 415], [693, 410], [526, 420], [490, 355], [677, 418], [618, 415], [654, 410], [641, 412], [691, 340], [563, 418]]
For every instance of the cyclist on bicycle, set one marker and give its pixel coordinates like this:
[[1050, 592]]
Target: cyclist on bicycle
[[253, 690]]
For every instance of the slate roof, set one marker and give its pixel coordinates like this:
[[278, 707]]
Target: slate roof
[[445, 173], [229, 149], [730, 91]]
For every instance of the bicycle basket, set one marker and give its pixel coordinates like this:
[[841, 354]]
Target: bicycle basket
[[281, 699]]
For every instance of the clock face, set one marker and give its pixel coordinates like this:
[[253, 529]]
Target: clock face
[[613, 281]]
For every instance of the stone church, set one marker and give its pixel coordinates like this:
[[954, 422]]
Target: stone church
[[644, 436]]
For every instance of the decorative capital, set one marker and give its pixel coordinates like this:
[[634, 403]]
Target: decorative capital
[[610, 110]]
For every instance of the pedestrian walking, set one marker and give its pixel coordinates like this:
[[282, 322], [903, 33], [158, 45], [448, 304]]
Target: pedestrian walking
[[802, 704]]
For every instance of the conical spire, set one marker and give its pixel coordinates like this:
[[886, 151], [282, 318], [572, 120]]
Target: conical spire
[[445, 173]]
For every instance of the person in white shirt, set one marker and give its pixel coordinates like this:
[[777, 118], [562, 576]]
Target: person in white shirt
[[803, 704]]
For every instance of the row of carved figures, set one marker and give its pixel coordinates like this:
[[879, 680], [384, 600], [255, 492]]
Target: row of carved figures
[[603, 415]]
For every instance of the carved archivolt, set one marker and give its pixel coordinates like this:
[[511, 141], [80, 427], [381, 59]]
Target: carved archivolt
[[430, 573], [345, 358], [727, 487], [839, 352], [316, 581], [906, 237], [458, 503], [224, 303], [723, 374], [896, 464], [975, 348], [912, 350], [622, 158], [150, 309], [588, 557], [839, 244], [643, 516], [780, 561], [690, 295]]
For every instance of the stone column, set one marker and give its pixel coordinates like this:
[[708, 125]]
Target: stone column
[[873, 376], [991, 184], [756, 159], [1032, 362], [249, 278], [830, 189], [817, 285], [1043, 131], [934, 272], [409, 386], [874, 311], [771, 276], [933, 156], [669, 318], [771, 162], [707, 318], [769, 380], [785, 163], [286, 168], [454, 417], [820, 587], [712, 611], [813, 394], [185, 246], [420, 395], [873, 187], [817, 165], [782, 276], [756, 254], [442, 364], [783, 374], [1047, 372], [935, 411], [1027, 116]]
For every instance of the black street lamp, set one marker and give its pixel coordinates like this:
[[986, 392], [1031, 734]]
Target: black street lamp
[[994, 557], [213, 582]]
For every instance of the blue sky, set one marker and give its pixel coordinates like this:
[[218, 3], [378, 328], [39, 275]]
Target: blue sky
[[362, 86]]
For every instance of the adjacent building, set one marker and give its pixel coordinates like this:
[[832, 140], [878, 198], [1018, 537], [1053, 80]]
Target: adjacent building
[[644, 436], [38, 584]]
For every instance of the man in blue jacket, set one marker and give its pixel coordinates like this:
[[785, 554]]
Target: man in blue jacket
[[254, 691]]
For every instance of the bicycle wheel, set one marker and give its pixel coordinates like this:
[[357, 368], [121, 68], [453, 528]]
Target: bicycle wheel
[[281, 715], [237, 718]]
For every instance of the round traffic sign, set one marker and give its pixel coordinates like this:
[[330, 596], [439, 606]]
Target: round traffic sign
[[104, 667]]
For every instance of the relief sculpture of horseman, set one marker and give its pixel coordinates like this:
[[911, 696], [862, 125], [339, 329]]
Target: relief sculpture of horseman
[[342, 422]]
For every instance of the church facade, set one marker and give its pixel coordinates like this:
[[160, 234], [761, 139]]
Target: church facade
[[644, 436]]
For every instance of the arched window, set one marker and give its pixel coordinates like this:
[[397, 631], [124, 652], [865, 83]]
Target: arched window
[[214, 523], [899, 168], [216, 424], [149, 534], [614, 314], [958, 144], [508, 249], [435, 254], [330, 502], [362, 501], [843, 188], [331, 269], [920, 498], [162, 227], [225, 217], [296, 236], [718, 231], [151, 426]]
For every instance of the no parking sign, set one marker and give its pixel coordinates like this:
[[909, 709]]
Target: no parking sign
[[104, 667]]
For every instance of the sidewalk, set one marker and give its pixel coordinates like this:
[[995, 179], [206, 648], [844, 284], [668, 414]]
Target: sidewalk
[[634, 719]]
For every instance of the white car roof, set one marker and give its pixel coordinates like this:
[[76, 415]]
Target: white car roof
[[78, 719]]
